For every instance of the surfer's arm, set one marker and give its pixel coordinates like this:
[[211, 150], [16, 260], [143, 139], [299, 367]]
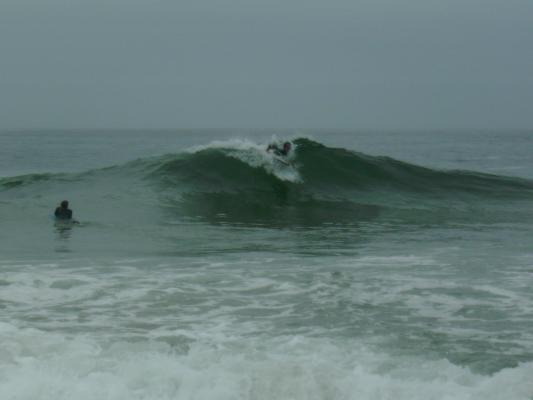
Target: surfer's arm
[[272, 147]]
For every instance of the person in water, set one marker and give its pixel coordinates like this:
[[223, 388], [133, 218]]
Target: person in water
[[280, 152], [63, 212]]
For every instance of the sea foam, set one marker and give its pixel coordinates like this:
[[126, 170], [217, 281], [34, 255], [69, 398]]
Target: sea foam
[[45, 365]]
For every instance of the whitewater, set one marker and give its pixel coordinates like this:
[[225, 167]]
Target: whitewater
[[375, 266]]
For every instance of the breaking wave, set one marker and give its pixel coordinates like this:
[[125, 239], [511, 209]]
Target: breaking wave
[[238, 181]]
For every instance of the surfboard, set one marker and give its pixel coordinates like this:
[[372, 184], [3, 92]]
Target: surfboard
[[62, 221], [281, 160]]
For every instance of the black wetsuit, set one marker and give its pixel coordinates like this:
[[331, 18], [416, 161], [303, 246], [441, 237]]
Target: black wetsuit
[[63, 213]]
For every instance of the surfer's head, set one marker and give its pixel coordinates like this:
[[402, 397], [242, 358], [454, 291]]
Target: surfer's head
[[287, 147], [64, 204]]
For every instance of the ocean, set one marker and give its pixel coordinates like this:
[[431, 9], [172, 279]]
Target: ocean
[[377, 265]]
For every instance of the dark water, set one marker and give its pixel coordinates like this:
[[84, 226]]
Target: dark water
[[375, 265]]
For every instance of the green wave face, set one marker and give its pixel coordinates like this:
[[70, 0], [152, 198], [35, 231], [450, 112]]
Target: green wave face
[[327, 171], [324, 185]]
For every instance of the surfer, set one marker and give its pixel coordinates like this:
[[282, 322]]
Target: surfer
[[63, 212], [280, 152]]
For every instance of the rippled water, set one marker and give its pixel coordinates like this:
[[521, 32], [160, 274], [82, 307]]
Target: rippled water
[[429, 298]]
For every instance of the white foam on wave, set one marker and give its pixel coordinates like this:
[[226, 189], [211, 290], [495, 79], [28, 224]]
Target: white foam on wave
[[255, 155], [42, 365], [226, 330]]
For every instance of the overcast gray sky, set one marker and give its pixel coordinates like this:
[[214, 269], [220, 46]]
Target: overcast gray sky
[[378, 64]]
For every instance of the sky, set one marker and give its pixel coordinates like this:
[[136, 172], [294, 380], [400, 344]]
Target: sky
[[295, 64]]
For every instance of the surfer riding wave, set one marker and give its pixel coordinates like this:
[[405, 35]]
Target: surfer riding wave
[[284, 151]]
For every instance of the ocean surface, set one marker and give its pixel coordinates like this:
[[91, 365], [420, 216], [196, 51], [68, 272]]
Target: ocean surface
[[374, 266]]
